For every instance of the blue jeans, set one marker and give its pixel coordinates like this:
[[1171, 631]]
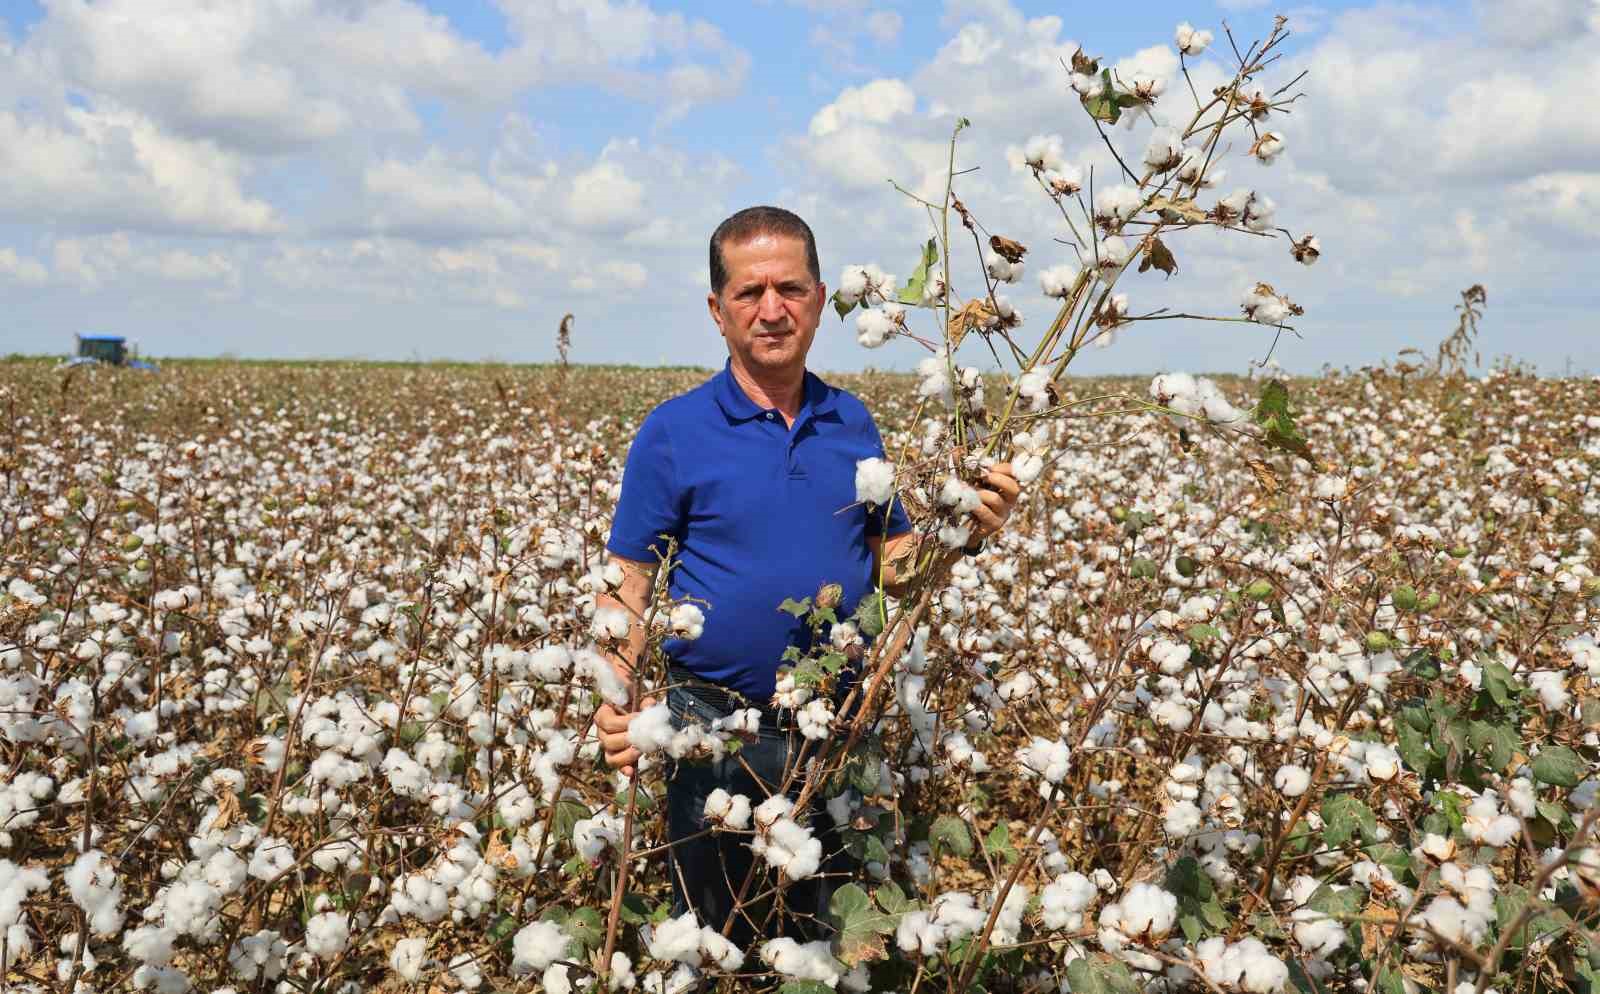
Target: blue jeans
[[708, 871]]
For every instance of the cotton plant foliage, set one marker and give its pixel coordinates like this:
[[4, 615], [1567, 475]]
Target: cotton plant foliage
[[1269, 685]]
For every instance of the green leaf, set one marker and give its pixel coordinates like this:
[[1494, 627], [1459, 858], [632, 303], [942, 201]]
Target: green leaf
[[568, 814], [911, 293], [586, 928], [1497, 743], [1556, 814], [1343, 815], [951, 833], [1143, 569], [1508, 904], [805, 987], [869, 614], [440, 699], [807, 674], [1342, 903], [503, 929], [1202, 632], [634, 909], [860, 926], [1559, 766], [998, 843], [1278, 427], [1502, 686], [840, 306], [795, 607], [893, 900], [1413, 748], [1098, 973]]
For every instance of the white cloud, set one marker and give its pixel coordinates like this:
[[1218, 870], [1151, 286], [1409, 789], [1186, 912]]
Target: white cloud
[[884, 26], [1535, 23], [115, 169], [436, 197], [604, 198], [21, 268], [878, 102]]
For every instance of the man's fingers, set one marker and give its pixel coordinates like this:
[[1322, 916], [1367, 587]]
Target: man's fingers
[[609, 719], [1002, 480], [623, 760]]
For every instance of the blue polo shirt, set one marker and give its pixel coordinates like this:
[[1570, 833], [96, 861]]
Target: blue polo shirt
[[760, 512]]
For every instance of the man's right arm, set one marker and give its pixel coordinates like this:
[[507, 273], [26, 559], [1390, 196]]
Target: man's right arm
[[633, 597]]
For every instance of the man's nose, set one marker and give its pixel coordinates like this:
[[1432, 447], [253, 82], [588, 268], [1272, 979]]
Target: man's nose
[[771, 309]]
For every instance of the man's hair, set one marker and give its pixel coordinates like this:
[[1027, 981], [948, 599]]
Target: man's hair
[[753, 221]]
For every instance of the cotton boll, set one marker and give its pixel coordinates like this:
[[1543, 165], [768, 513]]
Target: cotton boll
[[875, 481], [769, 811], [1291, 780], [536, 946], [1551, 687], [1182, 819], [731, 811], [677, 940], [1165, 150], [611, 623], [94, 886], [808, 961], [875, 326], [327, 934], [687, 621], [408, 958], [1047, 759], [960, 497], [1268, 147], [1116, 204], [1043, 153], [720, 951], [1057, 281], [1065, 899], [1382, 763], [1190, 40]]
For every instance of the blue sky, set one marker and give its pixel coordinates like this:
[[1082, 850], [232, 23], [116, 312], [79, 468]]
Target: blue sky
[[446, 179]]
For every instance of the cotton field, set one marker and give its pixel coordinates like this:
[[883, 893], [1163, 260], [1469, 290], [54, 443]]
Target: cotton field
[[298, 665]]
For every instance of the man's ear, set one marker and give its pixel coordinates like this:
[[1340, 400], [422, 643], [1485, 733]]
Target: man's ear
[[714, 306]]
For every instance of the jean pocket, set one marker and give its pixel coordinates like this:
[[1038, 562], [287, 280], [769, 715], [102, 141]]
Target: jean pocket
[[685, 708]]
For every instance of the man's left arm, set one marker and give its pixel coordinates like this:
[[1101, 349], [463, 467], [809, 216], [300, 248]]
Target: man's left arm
[[895, 559]]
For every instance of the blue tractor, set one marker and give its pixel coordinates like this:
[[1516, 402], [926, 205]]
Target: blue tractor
[[109, 349]]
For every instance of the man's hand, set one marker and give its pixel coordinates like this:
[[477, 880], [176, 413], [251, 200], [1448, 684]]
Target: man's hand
[[613, 725], [998, 491]]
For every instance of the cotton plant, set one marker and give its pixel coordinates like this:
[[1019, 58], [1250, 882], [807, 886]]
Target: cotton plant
[[298, 664]]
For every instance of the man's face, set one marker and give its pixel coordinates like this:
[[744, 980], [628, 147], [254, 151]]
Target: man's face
[[770, 307]]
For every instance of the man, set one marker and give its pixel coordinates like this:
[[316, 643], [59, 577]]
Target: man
[[752, 476]]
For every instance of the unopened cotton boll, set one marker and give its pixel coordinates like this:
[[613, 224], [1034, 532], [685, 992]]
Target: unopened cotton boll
[[874, 481], [1191, 40]]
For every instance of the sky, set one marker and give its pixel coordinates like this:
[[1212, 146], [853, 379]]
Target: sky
[[395, 179]]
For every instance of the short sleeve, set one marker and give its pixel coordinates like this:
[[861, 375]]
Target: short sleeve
[[895, 523], [651, 504]]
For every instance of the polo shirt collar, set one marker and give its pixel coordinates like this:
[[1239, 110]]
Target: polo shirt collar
[[818, 399]]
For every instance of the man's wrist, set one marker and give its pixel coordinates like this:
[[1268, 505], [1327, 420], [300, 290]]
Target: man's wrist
[[973, 547]]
